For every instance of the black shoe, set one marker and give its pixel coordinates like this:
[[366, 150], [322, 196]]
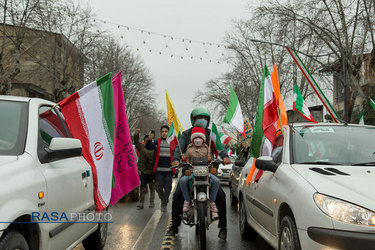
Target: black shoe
[[223, 233], [172, 231], [140, 206]]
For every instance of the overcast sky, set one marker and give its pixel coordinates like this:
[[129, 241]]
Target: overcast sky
[[201, 20]]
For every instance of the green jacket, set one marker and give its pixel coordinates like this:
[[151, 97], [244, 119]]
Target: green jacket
[[146, 157]]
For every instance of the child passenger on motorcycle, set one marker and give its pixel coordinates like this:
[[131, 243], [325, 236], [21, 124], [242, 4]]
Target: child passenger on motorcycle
[[198, 149]]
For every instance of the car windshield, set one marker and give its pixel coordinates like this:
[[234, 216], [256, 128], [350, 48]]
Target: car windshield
[[13, 124], [334, 145]]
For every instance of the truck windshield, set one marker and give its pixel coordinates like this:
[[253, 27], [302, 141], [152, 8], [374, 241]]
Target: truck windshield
[[334, 145], [13, 127]]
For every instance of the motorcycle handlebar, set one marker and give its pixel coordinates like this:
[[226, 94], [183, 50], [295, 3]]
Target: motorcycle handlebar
[[215, 163]]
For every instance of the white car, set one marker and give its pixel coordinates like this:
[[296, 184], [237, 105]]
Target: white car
[[44, 180], [317, 190], [223, 172]]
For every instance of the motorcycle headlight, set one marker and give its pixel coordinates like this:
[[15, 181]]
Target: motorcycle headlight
[[200, 171], [344, 211]]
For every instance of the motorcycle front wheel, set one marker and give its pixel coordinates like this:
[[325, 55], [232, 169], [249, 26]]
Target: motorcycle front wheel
[[202, 224]]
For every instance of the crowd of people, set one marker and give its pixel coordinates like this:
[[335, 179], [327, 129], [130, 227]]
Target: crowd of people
[[156, 159]]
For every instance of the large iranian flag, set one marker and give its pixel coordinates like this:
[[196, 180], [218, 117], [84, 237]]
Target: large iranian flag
[[90, 115], [300, 105], [234, 114], [264, 136]]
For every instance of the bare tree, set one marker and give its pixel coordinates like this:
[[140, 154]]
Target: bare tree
[[18, 14], [255, 43], [71, 32], [345, 28], [108, 56]]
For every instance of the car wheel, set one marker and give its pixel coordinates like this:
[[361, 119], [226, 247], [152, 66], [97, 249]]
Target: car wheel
[[96, 240], [13, 240], [233, 199], [245, 230], [288, 237]]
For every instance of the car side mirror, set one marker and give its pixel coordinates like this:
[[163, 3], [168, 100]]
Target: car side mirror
[[61, 148], [239, 163], [266, 163]]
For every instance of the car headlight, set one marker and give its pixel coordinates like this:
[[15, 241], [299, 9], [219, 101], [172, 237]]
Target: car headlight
[[344, 211]]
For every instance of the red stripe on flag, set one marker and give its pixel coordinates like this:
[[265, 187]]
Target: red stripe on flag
[[269, 119], [70, 109]]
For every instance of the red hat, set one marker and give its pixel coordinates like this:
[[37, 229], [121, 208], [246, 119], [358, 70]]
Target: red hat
[[198, 132]]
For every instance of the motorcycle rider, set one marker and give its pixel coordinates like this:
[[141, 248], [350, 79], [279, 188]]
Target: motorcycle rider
[[199, 117], [198, 149]]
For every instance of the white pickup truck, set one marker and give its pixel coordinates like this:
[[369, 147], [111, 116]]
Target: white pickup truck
[[43, 180]]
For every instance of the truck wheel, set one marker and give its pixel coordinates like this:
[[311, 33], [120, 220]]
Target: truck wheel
[[97, 239], [288, 237], [13, 240]]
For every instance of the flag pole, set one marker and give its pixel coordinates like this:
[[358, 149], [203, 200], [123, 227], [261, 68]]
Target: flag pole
[[134, 123], [209, 138], [281, 125]]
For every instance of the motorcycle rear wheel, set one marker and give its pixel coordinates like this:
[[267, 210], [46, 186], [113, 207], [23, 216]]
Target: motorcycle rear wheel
[[202, 224]]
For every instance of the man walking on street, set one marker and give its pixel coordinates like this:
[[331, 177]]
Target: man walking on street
[[162, 164], [145, 165]]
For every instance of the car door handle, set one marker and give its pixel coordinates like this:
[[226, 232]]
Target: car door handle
[[85, 174]]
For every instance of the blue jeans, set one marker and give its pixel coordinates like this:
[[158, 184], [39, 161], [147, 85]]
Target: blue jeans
[[184, 180]]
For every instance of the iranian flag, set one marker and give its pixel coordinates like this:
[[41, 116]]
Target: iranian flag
[[90, 115], [230, 152], [215, 142], [172, 137], [234, 114], [264, 135], [225, 139], [300, 105]]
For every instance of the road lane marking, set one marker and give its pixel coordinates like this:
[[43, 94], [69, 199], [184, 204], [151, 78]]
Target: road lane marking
[[147, 234]]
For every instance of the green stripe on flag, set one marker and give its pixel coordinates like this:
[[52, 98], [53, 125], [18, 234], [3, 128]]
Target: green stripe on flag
[[299, 99], [258, 136], [108, 107], [218, 144], [372, 103]]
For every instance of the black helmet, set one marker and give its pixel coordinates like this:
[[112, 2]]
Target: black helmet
[[199, 111]]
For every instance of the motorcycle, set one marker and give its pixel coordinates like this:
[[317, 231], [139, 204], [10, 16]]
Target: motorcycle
[[199, 214]]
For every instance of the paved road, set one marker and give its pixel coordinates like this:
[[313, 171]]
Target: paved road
[[145, 229]]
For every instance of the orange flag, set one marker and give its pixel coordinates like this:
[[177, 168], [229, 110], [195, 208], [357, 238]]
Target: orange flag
[[279, 99], [251, 173]]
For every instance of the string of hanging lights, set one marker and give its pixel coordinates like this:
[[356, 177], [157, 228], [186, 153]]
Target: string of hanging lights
[[162, 44]]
